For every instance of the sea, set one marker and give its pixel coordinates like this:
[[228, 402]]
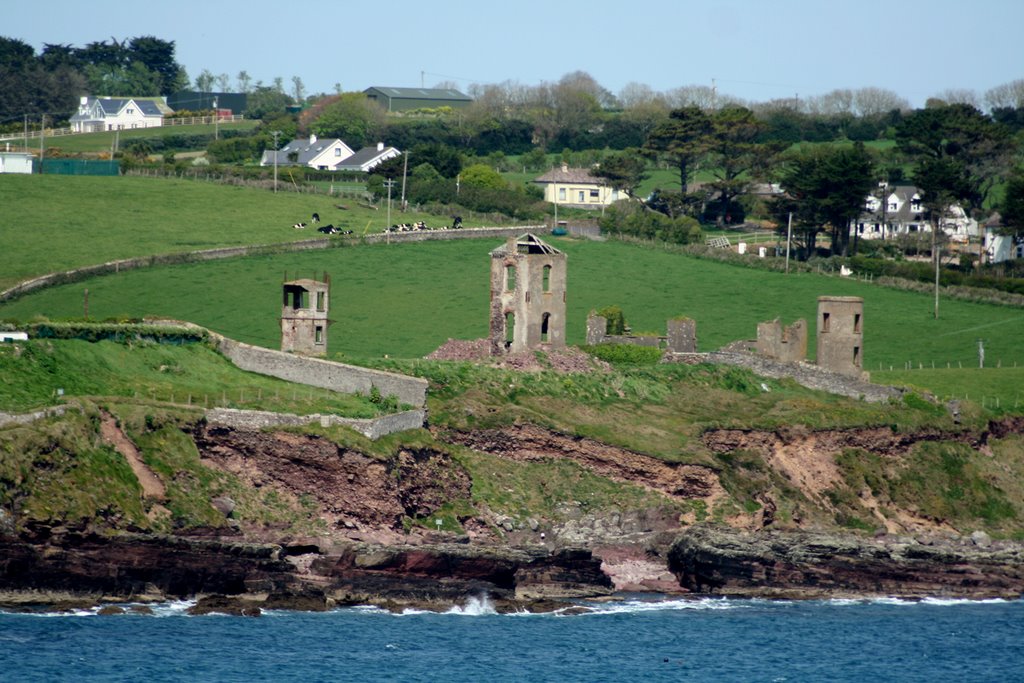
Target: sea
[[637, 638]]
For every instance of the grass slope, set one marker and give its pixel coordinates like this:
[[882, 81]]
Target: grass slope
[[103, 141], [33, 372], [404, 300], [54, 223]]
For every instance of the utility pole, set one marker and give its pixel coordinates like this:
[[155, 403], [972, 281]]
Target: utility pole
[[389, 184], [789, 238], [42, 126], [405, 172], [981, 353], [216, 121], [935, 255], [275, 133]]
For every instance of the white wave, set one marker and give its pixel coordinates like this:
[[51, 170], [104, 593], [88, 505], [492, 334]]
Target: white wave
[[636, 606]]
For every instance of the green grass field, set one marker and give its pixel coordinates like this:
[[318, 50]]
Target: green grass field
[[53, 223], [101, 142], [404, 300]]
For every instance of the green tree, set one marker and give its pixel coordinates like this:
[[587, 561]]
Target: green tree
[[205, 81], [353, 117], [682, 140], [483, 176], [825, 186], [735, 155], [1012, 206], [264, 103], [624, 170], [157, 56]]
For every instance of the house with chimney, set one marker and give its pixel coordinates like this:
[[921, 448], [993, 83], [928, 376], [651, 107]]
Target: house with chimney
[[324, 155], [96, 114], [899, 210], [577, 187]]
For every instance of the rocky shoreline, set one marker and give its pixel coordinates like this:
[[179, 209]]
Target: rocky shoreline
[[63, 569]]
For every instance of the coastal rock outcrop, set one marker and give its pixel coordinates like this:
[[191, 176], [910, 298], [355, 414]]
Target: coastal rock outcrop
[[804, 564]]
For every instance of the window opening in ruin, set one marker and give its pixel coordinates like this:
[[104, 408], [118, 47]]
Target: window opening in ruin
[[824, 322], [510, 328], [544, 328], [547, 278], [319, 339], [856, 356], [321, 300], [510, 277], [856, 323]]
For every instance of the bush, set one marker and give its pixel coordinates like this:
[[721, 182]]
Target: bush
[[625, 354], [616, 319]]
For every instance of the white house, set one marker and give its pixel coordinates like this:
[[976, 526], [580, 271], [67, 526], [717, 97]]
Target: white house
[[115, 113], [577, 187], [16, 162], [325, 155], [368, 157], [899, 210]]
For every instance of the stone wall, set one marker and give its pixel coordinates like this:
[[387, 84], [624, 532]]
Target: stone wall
[[681, 337], [372, 428], [85, 272], [7, 419], [804, 374], [347, 379]]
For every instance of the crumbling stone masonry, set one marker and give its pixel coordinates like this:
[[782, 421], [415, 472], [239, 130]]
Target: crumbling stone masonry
[[840, 334], [528, 287], [786, 344], [304, 316], [681, 335]]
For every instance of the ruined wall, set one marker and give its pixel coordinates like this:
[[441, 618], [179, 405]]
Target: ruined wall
[[840, 334], [787, 344], [25, 418], [597, 329], [521, 293], [372, 428], [682, 335]]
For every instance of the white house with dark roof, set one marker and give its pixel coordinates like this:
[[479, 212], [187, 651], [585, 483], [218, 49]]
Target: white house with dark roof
[[115, 113], [577, 187], [899, 210], [368, 157], [325, 155], [996, 246]]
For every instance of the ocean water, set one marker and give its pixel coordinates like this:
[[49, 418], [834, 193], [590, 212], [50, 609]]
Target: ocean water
[[633, 640]]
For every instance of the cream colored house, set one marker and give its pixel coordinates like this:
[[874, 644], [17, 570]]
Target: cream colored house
[[577, 187]]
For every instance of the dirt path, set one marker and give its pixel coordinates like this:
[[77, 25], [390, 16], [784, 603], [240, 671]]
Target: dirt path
[[152, 487]]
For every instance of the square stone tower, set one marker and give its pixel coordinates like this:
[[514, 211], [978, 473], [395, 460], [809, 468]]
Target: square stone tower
[[528, 279], [841, 334], [304, 316]]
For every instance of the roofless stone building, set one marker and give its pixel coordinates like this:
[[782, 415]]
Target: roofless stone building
[[304, 316], [528, 279]]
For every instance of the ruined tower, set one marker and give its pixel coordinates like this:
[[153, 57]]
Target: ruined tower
[[840, 334], [304, 316], [527, 296]]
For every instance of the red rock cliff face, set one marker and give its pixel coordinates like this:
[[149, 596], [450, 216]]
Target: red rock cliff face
[[351, 490]]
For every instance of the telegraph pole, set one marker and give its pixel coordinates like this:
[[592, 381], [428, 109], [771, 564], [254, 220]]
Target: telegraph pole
[[405, 170], [389, 184], [42, 126], [275, 133]]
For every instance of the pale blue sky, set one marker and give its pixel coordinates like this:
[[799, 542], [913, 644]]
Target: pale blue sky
[[754, 49]]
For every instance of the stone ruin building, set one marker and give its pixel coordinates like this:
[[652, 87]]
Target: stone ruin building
[[304, 316], [840, 337], [528, 279], [841, 334], [681, 335], [783, 343]]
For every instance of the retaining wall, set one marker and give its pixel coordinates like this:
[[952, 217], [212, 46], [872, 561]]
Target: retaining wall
[[7, 419], [347, 379], [372, 428], [804, 374]]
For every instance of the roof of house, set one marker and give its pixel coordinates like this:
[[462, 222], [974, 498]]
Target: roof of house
[[904, 214], [367, 156], [110, 106], [420, 93], [570, 175], [525, 244], [306, 150]]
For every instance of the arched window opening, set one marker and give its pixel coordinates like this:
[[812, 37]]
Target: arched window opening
[[544, 324], [547, 278]]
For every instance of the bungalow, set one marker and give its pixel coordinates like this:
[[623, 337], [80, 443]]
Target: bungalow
[[576, 187], [324, 155], [899, 211], [115, 113], [368, 157]]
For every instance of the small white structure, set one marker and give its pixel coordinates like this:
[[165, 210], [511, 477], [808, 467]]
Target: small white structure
[[13, 336], [325, 155], [996, 247], [900, 211], [16, 162], [97, 114]]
